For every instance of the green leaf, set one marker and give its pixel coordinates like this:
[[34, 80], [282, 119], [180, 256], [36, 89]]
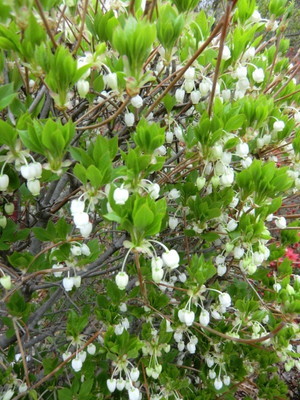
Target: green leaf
[[143, 217], [6, 96], [8, 134]]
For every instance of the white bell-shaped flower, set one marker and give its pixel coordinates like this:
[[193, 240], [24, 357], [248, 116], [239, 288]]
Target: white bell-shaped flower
[[280, 223], [111, 80], [157, 274], [23, 387], [81, 219], [77, 281], [86, 229], [134, 374], [57, 274], [137, 101], [179, 95], [212, 374], [218, 384], [189, 317], [189, 73], [238, 252], [191, 348], [76, 364], [134, 393], [66, 355], [34, 187], [83, 87], [85, 250], [91, 349], [122, 280], [121, 384], [241, 72], [204, 318], [200, 182], [4, 182], [242, 150], [181, 345], [121, 196], [225, 299], [174, 194], [111, 384], [221, 270], [171, 259], [129, 119], [178, 132], [195, 96], [154, 190], [77, 207], [258, 75], [76, 250], [278, 126], [173, 222], [226, 380], [82, 356], [226, 53], [232, 225], [169, 136], [68, 284], [204, 87]]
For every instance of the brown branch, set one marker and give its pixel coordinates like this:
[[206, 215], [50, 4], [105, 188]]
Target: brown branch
[[41, 12], [79, 38], [219, 59], [22, 352]]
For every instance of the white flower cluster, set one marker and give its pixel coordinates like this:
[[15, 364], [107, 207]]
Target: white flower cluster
[[32, 173], [127, 379], [81, 219]]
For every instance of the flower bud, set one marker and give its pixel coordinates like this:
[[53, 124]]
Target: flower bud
[[9, 208], [3, 221], [122, 280], [5, 281], [200, 182]]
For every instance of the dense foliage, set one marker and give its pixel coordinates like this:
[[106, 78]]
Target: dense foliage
[[146, 152]]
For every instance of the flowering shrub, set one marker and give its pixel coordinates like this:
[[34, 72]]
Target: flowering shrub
[[146, 150]]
